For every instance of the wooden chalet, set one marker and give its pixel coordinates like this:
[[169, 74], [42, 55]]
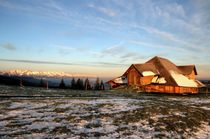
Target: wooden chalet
[[161, 75]]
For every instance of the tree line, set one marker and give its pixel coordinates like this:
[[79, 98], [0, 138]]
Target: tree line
[[79, 84]]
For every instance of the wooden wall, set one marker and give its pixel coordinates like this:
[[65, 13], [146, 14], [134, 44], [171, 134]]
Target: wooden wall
[[170, 89], [146, 80], [134, 78]]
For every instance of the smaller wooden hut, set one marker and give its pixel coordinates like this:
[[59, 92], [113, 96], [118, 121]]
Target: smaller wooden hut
[[117, 81]]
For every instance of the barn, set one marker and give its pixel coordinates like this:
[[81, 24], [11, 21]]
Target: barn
[[161, 75]]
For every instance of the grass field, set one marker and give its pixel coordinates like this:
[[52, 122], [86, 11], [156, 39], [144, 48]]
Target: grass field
[[107, 114]]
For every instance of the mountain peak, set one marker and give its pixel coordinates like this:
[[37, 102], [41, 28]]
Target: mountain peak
[[19, 72]]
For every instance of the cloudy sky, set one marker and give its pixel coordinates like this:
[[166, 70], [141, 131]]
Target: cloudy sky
[[103, 37]]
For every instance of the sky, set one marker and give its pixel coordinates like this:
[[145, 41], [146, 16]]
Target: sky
[[103, 37]]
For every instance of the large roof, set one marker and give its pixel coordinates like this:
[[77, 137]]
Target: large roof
[[163, 68]]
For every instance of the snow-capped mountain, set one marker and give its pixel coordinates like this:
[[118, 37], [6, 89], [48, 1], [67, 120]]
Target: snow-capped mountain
[[18, 72]]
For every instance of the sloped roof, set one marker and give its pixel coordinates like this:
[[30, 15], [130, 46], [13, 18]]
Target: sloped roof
[[146, 67], [200, 84], [187, 69], [164, 68], [119, 80]]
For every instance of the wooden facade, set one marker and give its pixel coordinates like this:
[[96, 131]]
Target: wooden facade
[[136, 79], [170, 89], [161, 68]]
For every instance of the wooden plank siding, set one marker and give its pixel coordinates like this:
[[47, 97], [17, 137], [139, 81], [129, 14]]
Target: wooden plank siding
[[170, 89], [134, 78], [146, 80]]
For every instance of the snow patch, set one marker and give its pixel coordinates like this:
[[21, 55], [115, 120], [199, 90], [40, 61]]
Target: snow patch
[[41, 125], [121, 80], [16, 105], [182, 80], [148, 73], [154, 79], [205, 108], [15, 112], [3, 123], [160, 80], [203, 132]]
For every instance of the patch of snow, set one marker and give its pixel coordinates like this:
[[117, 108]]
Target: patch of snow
[[199, 101], [16, 112], [161, 116], [41, 125], [205, 108], [121, 80], [160, 80], [110, 128], [144, 129], [82, 123], [182, 80], [179, 114], [148, 73], [133, 137], [36, 136], [191, 100], [89, 107], [120, 106], [203, 132], [16, 105], [3, 123], [154, 79]]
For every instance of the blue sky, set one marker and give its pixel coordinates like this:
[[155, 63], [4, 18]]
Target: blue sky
[[103, 37]]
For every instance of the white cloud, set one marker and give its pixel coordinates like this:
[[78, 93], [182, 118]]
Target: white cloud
[[161, 33], [65, 49], [133, 56], [114, 50], [8, 46], [107, 11], [47, 8], [170, 9]]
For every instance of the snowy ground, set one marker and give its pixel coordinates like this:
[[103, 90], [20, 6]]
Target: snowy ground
[[146, 116]]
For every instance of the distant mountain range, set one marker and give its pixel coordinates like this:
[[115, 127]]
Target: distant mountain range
[[29, 73]]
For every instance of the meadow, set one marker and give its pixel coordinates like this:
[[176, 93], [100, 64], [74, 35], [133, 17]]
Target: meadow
[[40, 113]]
